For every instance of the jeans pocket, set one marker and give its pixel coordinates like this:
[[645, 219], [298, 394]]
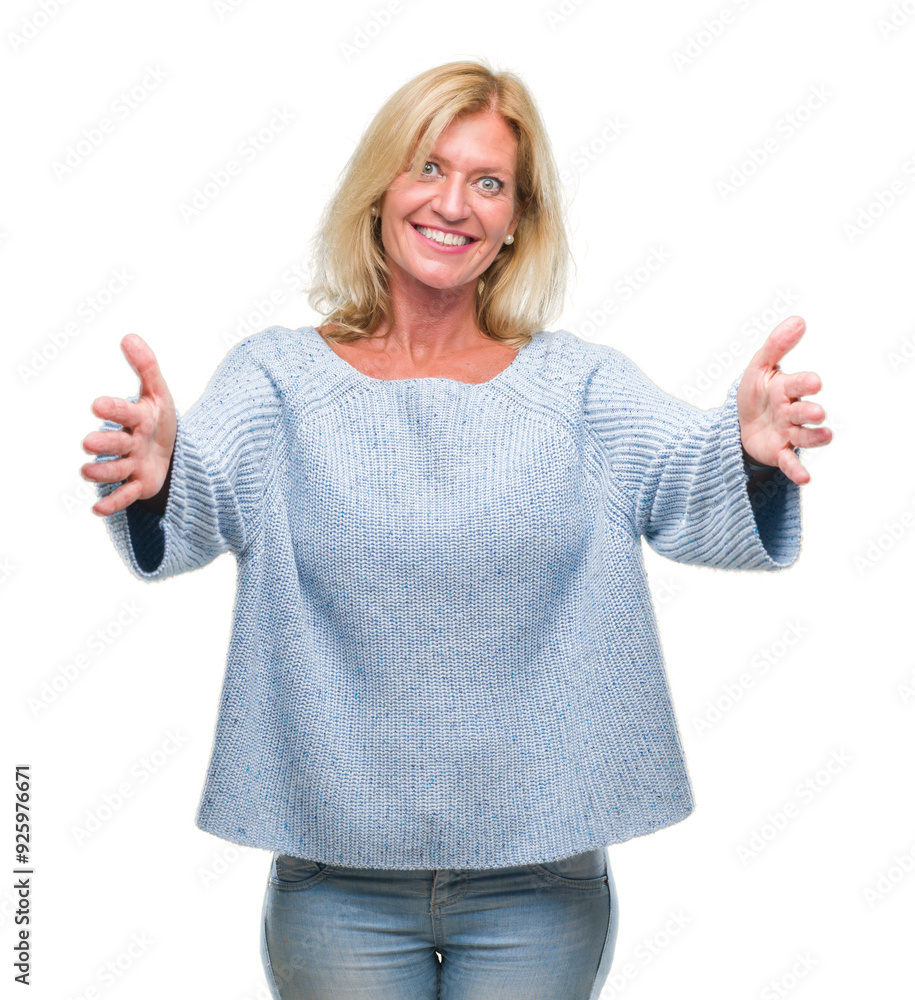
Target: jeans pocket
[[585, 871], [291, 873]]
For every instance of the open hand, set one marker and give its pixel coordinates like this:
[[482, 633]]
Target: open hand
[[146, 442], [769, 408]]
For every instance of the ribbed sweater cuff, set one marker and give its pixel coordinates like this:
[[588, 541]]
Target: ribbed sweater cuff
[[157, 546]]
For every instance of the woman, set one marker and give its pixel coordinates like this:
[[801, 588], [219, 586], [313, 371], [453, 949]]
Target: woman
[[445, 693]]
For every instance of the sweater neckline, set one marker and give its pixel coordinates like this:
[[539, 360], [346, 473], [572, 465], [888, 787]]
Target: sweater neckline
[[345, 368]]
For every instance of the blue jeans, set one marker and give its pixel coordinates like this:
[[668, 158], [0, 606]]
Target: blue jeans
[[529, 932]]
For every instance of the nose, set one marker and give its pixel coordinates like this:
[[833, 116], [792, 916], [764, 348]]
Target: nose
[[450, 199]]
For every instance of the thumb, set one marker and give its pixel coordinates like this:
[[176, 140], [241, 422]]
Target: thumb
[[142, 360], [778, 343]]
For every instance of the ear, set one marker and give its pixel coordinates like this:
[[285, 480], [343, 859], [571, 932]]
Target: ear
[[516, 218]]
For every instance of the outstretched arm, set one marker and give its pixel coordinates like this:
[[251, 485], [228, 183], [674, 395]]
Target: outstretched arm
[[206, 496], [683, 473]]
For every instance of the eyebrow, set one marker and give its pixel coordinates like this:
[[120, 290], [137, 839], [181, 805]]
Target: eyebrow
[[486, 170]]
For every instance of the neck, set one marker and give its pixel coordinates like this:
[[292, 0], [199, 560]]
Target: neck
[[429, 324]]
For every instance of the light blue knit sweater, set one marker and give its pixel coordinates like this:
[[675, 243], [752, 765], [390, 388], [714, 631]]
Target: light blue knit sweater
[[444, 652]]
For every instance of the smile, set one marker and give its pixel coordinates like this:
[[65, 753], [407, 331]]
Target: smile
[[443, 239]]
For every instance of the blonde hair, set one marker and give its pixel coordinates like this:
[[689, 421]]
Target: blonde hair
[[523, 288]]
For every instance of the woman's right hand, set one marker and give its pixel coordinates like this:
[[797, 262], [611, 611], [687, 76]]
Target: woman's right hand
[[146, 443]]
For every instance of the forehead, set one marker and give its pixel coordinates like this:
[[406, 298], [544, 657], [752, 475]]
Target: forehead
[[483, 139]]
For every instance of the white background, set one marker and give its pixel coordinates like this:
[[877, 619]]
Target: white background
[[844, 691]]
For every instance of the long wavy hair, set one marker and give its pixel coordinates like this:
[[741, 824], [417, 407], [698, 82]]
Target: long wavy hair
[[522, 289]]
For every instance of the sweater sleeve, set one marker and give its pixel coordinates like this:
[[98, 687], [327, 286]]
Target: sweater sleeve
[[681, 471], [217, 478]]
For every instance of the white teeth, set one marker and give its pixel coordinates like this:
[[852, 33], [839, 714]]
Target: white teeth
[[449, 239]]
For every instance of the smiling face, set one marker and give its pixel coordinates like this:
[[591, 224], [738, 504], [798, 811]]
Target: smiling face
[[446, 227]]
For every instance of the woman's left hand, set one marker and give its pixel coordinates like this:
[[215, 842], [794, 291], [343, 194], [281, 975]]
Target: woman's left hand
[[770, 411]]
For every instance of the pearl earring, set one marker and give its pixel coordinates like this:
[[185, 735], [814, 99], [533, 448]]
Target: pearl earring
[[509, 239]]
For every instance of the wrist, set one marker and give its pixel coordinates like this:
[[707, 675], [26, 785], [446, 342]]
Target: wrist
[[157, 504]]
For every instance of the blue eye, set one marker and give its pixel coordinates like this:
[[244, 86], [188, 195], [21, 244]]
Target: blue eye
[[491, 185]]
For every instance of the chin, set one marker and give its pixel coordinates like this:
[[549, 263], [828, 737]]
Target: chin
[[443, 283]]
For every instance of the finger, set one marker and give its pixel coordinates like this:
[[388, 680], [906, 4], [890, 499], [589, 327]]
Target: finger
[[120, 411], [141, 358], [117, 500], [802, 412], [790, 464], [109, 443], [779, 342], [115, 471], [810, 437], [801, 384]]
